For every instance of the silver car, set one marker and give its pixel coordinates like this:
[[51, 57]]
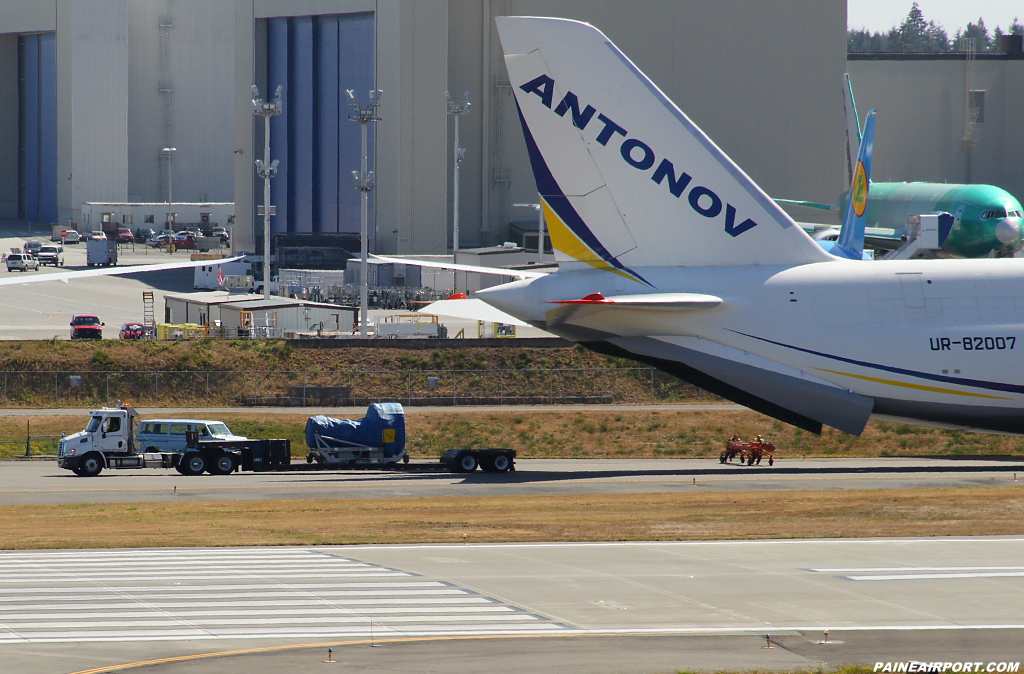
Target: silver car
[[21, 262]]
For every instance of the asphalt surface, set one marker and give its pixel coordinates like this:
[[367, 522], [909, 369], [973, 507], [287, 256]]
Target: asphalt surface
[[598, 607], [43, 482], [43, 310]]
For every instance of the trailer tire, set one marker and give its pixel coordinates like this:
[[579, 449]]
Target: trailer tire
[[194, 462], [223, 464], [92, 465], [467, 463], [501, 463]]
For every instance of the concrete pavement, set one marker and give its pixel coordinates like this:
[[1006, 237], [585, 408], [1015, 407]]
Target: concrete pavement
[[601, 607], [41, 482]]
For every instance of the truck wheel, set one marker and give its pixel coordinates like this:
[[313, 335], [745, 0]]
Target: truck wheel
[[195, 463], [501, 463], [223, 464], [92, 465], [467, 463], [181, 468]]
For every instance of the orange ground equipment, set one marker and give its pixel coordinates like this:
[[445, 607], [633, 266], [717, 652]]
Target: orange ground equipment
[[749, 453]]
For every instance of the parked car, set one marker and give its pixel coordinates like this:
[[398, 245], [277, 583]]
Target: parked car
[[51, 255], [132, 331], [159, 240], [124, 235], [98, 235], [222, 233], [86, 326], [32, 248], [144, 234], [71, 236], [22, 262]]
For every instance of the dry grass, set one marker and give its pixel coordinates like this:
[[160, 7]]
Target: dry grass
[[613, 517], [593, 434]]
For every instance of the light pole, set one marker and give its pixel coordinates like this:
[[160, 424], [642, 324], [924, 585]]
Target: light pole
[[540, 228], [364, 183], [456, 109], [168, 152], [266, 170]]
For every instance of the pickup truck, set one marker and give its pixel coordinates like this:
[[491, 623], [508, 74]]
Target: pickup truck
[[51, 255]]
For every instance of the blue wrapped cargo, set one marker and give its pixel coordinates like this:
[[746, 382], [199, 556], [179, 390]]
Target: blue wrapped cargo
[[383, 427]]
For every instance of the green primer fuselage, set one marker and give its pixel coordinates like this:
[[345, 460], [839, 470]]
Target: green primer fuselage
[[973, 235]]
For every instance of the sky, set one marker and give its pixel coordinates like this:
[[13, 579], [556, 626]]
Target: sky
[[881, 15]]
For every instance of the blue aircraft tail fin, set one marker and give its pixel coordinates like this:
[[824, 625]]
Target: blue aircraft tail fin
[[850, 243]]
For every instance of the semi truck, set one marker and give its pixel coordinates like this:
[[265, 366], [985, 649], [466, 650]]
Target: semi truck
[[112, 440]]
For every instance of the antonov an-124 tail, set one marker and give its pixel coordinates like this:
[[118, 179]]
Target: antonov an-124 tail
[[669, 254]]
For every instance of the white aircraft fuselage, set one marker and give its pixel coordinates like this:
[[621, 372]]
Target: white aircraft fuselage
[[928, 341]]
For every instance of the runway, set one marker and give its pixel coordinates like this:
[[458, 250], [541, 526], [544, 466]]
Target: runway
[[94, 609], [42, 482]]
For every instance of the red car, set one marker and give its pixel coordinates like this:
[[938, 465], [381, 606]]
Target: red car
[[132, 331], [86, 326], [124, 235]]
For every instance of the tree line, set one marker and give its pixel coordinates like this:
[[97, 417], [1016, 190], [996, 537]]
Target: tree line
[[916, 35]]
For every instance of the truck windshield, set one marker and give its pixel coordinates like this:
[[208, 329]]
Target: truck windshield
[[86, 320], [94, 423], [218, 429]]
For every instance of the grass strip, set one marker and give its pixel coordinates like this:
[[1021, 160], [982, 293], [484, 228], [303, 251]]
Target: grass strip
[[972, 511], [594, 434]]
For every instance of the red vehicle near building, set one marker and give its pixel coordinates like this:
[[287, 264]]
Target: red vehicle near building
[[132, 331], [86, 326]]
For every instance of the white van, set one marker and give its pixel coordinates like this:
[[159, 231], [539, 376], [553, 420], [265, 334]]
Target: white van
[[168, 435]]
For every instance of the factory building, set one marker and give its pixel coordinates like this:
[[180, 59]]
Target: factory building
[[96, 89], [952, 117]]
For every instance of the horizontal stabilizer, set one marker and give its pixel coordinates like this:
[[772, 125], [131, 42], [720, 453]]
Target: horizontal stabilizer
[[674, 301], [807, 204], [496, 271]]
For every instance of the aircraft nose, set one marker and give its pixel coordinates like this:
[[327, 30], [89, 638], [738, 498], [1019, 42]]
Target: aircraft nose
[[1008, 231]]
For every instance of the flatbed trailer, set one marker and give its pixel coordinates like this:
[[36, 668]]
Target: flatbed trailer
[[109, 443]]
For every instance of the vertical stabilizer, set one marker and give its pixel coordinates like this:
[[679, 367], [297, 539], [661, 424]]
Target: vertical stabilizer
[[850, 243], [626, 179], [853, 136]]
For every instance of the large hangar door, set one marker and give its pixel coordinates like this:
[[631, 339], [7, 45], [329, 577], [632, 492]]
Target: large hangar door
[[37, 126], [316, 59]]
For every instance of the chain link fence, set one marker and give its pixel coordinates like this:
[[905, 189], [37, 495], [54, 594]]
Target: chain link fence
[[196, 388]]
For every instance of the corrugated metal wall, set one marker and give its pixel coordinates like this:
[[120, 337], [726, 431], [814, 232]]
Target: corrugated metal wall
[[180, 88], [413, 154], [98, 40], [316, 59], [919, 128]]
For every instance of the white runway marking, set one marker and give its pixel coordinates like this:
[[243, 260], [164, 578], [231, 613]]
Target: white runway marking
[[938, 576], [138, 595]]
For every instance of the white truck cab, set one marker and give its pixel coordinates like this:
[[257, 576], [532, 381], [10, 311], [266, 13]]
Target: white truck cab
[[115, 437]]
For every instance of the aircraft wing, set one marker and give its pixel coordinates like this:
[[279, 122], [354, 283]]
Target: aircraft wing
[[66, 276], [471, 310], [497, 271]]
